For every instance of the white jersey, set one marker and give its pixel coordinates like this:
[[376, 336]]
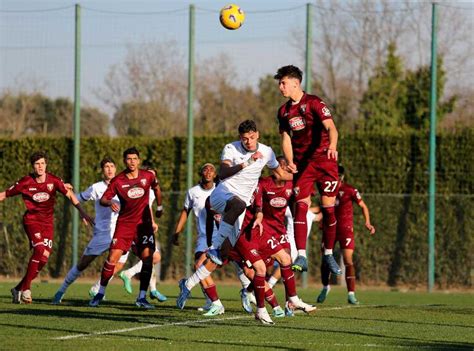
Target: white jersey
[[105, 218], [196, 201], [244, 182]]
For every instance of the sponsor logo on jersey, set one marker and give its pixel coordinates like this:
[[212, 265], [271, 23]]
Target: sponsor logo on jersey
[[297, 123], [288, 192], [143, 181], [326, 112], [270, 192], [126, 186], [50, 186], [41, 197], [32, 189], [278, 202], [135, 193]]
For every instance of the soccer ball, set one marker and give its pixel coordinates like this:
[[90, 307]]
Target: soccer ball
[[232, 17]]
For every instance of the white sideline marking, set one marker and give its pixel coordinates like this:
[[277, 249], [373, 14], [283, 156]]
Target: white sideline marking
[[148, 326]]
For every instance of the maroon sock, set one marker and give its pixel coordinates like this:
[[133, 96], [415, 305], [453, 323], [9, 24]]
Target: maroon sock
[[107, 273], [32, 270], [271, 298], [288, 278], [300, 225], [325, 274], [211, 292], [145, 274], [259, 286], [350, 277], [329, 227]]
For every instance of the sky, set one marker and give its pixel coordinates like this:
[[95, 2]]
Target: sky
[[37, 39]]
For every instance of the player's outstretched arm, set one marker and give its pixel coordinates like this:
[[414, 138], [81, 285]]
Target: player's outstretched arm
[[365, 212], [87, 219], [282, 174], [180, 226], [333, 136]]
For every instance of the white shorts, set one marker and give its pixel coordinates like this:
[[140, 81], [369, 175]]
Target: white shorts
[[99, 244]]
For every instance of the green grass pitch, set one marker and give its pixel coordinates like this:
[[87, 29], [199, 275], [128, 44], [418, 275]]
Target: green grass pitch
[[384, 320]]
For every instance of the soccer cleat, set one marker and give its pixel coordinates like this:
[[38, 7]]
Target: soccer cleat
[[278, 312], [332, 264], [26, 297], [95, 301], [244, 295], [215, 256], [207, 306], [58, 297], [303, 306], [215, 310], [92, 293], [351, 299], [143, 303], [289, 309], [263, 317], [127, 283], [156, 295], [322, 295], [184, 293], [300, 264], [16, 296]]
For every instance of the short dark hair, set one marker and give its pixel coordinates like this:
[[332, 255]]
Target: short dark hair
[[131, 151], [37, 156], [289, 71], [280, 158], [106, 159], [247, 126], [340, 170]]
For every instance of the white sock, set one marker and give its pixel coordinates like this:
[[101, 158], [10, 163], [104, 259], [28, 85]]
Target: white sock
[[261, 310], [200, 274], [225, 230], [142, 294], [102, 289], [328, 251], [327, 287], [302, 253], [272, 281], [294, 299], [132, 271], [217, 302], [351, 293], [241, 275], [153, 280], [71, 276]]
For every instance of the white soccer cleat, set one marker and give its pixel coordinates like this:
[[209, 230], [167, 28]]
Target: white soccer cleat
[[16, 296], [263, 317], [215, 310], [303, 306], [26, 297]]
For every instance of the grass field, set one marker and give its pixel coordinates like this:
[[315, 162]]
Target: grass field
[[383, 320]]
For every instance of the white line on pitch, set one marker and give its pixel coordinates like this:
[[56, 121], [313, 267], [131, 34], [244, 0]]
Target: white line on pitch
[[148, 326]]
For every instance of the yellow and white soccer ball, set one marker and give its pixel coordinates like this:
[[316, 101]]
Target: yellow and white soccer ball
[[232, 17]]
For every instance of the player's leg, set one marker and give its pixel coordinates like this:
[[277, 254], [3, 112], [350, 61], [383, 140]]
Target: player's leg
[[107, 273], [154, 293], [146, 257], [325, 275], [259, 285], [348, 246]]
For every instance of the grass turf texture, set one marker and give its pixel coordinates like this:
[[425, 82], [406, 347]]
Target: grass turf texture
[[383, 320]]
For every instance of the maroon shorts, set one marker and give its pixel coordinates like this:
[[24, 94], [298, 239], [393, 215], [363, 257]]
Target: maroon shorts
[[253, 247], [135, 236], [345, 237], [321, 171], [40, 234]]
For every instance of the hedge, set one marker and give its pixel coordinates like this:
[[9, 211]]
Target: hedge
[[390, 170]]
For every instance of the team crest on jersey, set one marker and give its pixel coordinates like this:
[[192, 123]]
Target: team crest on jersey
[[254, 252], [296, 190], [143, 181], [37, 235], [303, 108], [297, 123], [326, 112], [288, 192], [50, 186], [40, 197], [278, 202], [114, 241]]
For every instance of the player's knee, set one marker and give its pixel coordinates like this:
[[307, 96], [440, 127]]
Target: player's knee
[[234, 208], [283, 258], [260, 268]]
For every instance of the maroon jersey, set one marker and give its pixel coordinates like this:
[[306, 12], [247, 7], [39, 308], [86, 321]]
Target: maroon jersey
[[304, 123], [273, 200], [344, 211], [39, 198], [134, 196]]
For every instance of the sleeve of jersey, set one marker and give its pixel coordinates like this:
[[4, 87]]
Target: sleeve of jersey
[[188, 201], [227, 153], [88, 194], [283, 124], [258, 197], [320, 108], [356, 197], [110, 191], [272, 161], [15, 189], [60, 186]]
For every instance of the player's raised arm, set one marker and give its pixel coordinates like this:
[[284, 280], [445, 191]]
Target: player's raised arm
[[333, 136]]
